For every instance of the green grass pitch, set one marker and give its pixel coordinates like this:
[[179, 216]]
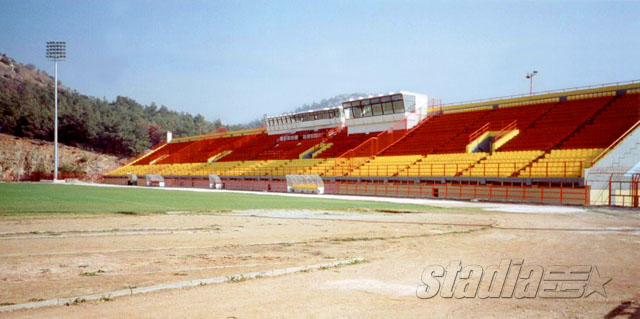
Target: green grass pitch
[[18, 198]]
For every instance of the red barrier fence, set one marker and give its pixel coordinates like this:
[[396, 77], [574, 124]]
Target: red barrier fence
[[488, 192], [38, 176], [435, 190], [624, 190]]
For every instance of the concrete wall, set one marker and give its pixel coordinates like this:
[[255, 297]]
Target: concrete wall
[[522, 194], [373, 124], [303, 126], [622, 160]]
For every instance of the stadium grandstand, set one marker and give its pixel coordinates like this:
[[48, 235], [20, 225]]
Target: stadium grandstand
[[569, 146]]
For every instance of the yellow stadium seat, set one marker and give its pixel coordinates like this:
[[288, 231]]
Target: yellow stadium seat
[[443, 164], [561, 163], [385, 165], [502, 164]]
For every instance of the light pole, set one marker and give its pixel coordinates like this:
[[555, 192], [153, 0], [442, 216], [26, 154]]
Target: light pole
[[56, 51], [530, 77]]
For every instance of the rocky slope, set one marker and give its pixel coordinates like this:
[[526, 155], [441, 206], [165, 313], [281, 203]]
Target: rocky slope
[[20, 157], [10, 69]]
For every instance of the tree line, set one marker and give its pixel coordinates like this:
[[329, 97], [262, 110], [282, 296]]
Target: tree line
[[122, 127]]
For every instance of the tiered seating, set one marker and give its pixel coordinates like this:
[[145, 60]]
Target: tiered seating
[[199, 150], [253, 148], [168, 149], [267, 168], [288, 149], [244, 168], [443, 164], [339, 166], [385, 165], [458, 143], [293, 145], [281, 167], [523, 115], [296, 166], [562, 163], [162, 169], [502, 164], [555, 125], [567, 133], [218, 168], [612, 122], [325, 165], [218, 156], [184, 169], [320, 148], [343, 142], [130, 169], [437, 133]]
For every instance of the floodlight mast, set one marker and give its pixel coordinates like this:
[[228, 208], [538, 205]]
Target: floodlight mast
[[56, 51], [530, 77]]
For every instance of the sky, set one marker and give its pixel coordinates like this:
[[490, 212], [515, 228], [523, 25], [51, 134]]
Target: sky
[[238, 60]]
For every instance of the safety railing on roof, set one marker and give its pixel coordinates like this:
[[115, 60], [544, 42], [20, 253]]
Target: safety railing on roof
[[534, 94], [216, 135]]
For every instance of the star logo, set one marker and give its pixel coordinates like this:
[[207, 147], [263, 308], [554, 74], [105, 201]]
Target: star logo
[[596, 283]]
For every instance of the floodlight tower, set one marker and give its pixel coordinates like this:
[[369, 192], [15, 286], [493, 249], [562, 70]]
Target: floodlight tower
[[530, 77], [56, 51]]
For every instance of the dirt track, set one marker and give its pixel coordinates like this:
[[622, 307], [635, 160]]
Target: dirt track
[[52, 257]]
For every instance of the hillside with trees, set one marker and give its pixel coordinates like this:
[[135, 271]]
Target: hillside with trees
[[122, 127], [330, 102]]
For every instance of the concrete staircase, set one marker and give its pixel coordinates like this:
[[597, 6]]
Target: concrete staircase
[[620, 160]]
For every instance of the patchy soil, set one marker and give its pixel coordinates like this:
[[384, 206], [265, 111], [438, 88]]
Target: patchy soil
[[19, 157], [53, 256]]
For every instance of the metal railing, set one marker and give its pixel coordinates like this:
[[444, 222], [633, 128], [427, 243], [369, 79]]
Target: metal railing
[[624, 190], [615, 143], [489, 192], [248, 131], [572, 89], [385, 139], [500, 169], [506, 129], [371, 146], [549, 169], [478, 132]]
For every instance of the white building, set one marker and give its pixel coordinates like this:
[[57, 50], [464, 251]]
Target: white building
[[401, 110], [310, 120], [397, 111]]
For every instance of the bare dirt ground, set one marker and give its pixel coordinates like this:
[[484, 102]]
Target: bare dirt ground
[[19, 157], [45, 257]]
